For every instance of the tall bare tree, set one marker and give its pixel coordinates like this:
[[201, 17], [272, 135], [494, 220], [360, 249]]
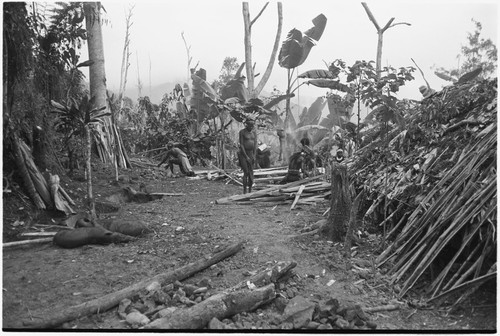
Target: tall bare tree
[[125, 57], [255, 91], [380, 32]]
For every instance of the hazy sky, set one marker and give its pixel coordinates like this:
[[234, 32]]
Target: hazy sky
[[214, 30]]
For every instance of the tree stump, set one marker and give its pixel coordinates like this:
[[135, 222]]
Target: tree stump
[[340, 205]]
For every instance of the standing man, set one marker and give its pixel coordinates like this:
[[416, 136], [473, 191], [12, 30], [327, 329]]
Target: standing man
[[247, 152], [177, 156]]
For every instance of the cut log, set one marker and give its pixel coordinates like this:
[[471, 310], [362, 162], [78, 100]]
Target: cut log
[[340, 205], [267, 276], [28, 242], [220, 306], [113, 299]]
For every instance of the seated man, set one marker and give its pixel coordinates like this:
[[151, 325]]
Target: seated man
[[178, 157]]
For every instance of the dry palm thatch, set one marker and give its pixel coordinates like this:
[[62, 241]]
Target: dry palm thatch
[[438, 179]]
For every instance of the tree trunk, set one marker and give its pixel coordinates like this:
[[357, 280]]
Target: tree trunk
[[88, 173], [340, 204], [272, 59], [220, 306], [248, 46], [113, 299], [97, 73]]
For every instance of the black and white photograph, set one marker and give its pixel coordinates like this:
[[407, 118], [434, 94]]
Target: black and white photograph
[[220, 166]]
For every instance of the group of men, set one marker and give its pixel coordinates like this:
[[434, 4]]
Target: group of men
[[247, 154]]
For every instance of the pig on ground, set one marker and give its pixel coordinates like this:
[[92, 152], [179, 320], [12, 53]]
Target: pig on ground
[[89, 235]]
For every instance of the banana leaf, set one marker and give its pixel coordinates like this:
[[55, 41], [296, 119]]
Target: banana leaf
[[312, 115], [203, 87], [313, 34], [291, 50], [310, 127], [470, 75], [296, 47], [329, 84], [445, 76], [317, 74]]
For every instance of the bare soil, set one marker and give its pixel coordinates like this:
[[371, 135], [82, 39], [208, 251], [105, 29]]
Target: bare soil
[[42, 279]]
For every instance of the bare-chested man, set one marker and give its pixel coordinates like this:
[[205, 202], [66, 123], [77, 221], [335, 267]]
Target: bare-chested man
[[246, 154]]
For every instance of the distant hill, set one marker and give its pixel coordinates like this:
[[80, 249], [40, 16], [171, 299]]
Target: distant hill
[[158, 91]]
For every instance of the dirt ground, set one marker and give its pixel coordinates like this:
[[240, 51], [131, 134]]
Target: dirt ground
[[43, 279]]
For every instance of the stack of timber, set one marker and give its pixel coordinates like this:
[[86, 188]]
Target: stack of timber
[[307, 191]]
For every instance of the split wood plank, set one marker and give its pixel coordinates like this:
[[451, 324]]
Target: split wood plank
[[111, 300], [28, 242], [301, 189], [167, 194], [38, 234]]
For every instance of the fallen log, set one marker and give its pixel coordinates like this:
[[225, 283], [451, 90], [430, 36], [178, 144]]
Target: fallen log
[[28, 242], [113, 299], [220, 306], [381, 308], [267, 276]]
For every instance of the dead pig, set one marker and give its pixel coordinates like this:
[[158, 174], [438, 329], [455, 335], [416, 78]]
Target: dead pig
[[89, 235]]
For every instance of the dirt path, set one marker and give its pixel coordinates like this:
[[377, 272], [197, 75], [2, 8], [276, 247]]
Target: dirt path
[[40, 280]]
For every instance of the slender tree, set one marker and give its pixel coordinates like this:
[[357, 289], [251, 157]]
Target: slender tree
[[253, 90], [125, 57], [380, 33]]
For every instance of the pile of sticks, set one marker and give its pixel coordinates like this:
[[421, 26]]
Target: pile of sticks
[[307, 191]]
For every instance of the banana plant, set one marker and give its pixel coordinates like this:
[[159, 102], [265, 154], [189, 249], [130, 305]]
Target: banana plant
[[294, 51], [80, 119]]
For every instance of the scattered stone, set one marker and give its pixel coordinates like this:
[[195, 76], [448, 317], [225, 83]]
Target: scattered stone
[[289, 293], [313, 325], [139, 306], [371, 325], [350, 315], [168, 288], [360, 313], [200, 290], [216, 324], [122, 307], [137, 319], [178, 284], [299, 311], [189, 289], [342, 324], [236, 318], [358, 322], [205, 282], [325, 326], [280, 304], [166, 311], [198, 299], [154, 286]]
